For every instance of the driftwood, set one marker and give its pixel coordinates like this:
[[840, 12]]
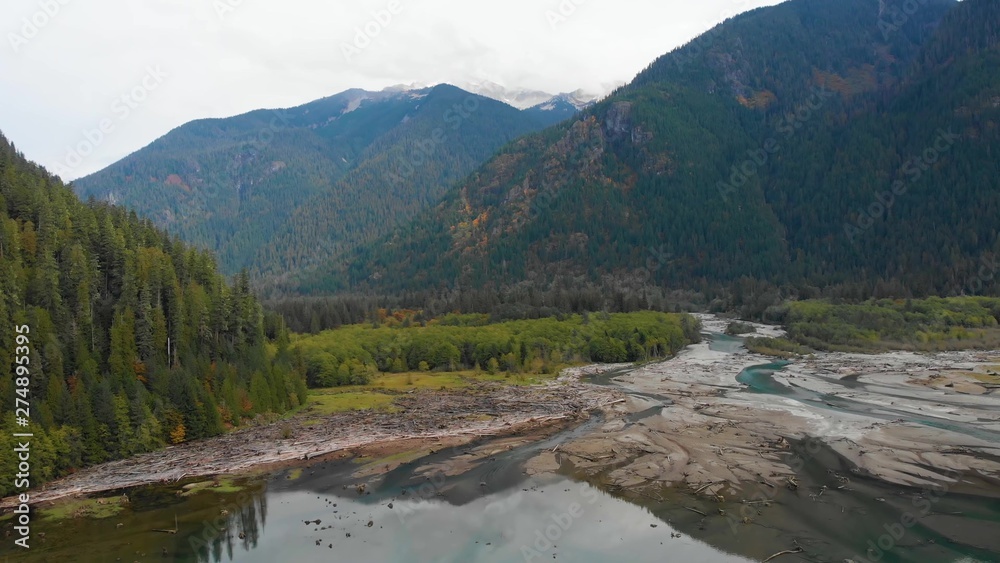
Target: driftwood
[[174, 531], [707, 485], [786, 552], [425, 415], [695, 510]]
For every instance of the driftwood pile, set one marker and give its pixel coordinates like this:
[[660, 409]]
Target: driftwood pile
[[483, 409]]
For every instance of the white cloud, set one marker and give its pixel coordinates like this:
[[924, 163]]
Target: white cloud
[[63, 80]]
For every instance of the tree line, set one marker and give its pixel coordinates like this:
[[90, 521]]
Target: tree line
[[136, 340]]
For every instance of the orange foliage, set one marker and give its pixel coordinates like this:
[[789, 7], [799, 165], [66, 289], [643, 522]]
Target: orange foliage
[[481, 219], [761, 100]]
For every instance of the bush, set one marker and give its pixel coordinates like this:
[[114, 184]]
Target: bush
[[737, 328], [778, 347]]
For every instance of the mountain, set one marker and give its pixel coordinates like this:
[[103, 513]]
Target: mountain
[[124, 338], [274, 191], [539, 103], [521, 98], [849, 146], [563, 106]]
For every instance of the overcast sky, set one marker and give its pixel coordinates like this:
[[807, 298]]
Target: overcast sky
[[65, 65]]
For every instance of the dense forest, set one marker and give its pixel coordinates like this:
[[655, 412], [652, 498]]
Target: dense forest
[[314, 314], [915, 324], [397, 342], [279, 191], [800, 150], [134, 339]]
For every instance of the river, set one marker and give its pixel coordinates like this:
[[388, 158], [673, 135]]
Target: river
[[494, 512]]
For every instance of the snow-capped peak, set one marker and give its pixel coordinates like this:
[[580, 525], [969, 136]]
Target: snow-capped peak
[[520, 98]]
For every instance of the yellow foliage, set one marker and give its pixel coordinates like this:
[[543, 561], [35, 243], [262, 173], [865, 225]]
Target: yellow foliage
[[177, 434]]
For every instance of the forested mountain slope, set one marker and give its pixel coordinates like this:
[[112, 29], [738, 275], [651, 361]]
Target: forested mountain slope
[[128, 340], [764, 149], [273, 191]]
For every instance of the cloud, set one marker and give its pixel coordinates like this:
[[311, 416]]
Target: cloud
[[250, 54]]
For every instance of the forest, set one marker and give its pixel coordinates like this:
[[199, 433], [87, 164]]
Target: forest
[[278, 191], [796, 147], [896, 324], [135, 340], [397, 342]]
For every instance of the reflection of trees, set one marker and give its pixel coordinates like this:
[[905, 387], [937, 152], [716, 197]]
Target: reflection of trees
[[241, 528]]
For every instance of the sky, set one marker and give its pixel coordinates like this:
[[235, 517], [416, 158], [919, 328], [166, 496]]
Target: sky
[[85, 83]]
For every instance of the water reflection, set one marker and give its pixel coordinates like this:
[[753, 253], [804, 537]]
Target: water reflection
[[238, 529], [542, 520]]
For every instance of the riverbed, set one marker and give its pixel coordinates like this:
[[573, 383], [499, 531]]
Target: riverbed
[[715, 455]]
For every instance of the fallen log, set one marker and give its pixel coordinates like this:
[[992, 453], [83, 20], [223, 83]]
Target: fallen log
[[786, 552], [174, 531]]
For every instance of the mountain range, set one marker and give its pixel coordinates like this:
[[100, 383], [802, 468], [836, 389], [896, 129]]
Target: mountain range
[[844, 148], [839, 147], [274, 191]]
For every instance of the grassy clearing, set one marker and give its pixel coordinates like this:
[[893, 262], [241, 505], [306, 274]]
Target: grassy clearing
[[988, 375], [419, 380], [325, 404], [380, 394], [84, 508]]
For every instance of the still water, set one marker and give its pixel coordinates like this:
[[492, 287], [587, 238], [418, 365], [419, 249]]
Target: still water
[[553, 519]]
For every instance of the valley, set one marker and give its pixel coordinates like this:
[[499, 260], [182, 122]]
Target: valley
[[721, 444], [743, 306]]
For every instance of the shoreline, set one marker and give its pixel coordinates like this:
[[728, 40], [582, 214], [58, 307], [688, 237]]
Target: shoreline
[[458, 416], [904, 419], [685, 423]]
